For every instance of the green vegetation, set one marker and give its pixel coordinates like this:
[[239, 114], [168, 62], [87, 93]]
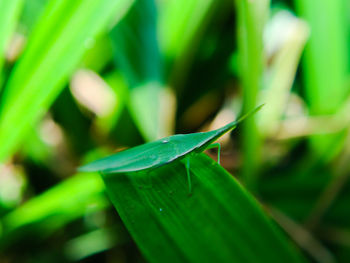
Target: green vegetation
[[85, 79]]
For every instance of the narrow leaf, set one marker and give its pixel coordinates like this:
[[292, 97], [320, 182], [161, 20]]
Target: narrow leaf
[[219, 222], [185, 20], [54, 208], [182, 24], [9, 13], [325, 66], [137, 55], [53, 51], [251, 17]]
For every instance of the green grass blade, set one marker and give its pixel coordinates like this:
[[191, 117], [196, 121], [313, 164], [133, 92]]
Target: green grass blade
[[95, 242], [250, 24], [219, 222], [136, 53], [182, 24], [54, 208], [99, 55], [31, 12], [54, 49], [9, 13], [185, 20], [135, 44], [325, 64]]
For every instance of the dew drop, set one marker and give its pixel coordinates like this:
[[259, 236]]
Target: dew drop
[[165, 140], [160, 209]]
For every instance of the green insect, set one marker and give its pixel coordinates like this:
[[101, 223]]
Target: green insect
[[161, 152]]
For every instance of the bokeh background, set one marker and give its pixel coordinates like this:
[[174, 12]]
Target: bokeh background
[[82, 79]]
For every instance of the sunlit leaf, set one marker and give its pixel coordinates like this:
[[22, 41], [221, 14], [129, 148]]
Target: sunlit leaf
[[325, 66], [53, 51], [45, 213], [9, 13]]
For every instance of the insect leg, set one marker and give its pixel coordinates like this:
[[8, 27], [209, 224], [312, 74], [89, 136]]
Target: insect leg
[[215, 145], [187, 164]]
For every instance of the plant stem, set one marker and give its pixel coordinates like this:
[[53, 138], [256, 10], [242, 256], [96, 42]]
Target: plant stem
[[251, 19]]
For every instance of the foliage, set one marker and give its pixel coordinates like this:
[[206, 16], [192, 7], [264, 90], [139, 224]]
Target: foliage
[[80, 80]]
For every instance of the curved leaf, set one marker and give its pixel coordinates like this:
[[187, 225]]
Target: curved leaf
[[137, 55], [219, 222], [53, 51]]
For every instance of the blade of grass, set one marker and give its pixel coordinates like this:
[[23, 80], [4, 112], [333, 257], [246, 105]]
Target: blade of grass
[[99, 55], [136, 52], [219, 222], [9, 13], [95, 242], [250, 24], [31, 12], [325, 66], [184, 20], [54, 208], [55, 47]]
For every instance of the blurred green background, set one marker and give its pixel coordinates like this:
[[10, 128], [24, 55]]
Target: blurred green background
[[82, 79]]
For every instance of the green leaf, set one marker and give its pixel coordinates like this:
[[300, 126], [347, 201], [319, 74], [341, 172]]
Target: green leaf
[[31, 12], [54, 49], [135, 44], [185, 20], [330, 35], [182, 24], [73, 198], [325, 66], [137, 55], [99, 55], [219, 222], [251, 18], [95, 242], [9, 13]]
